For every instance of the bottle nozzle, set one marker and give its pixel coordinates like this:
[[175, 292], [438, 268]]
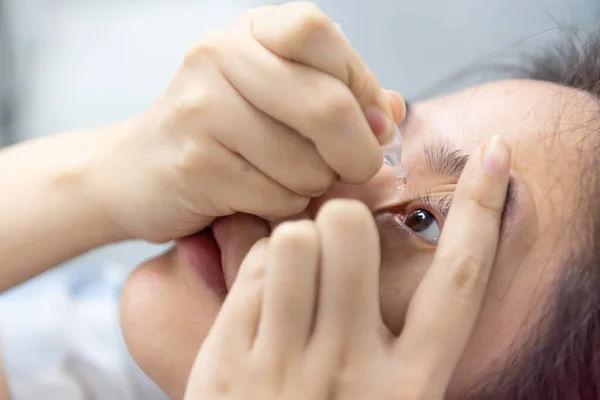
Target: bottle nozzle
[[392, 156]]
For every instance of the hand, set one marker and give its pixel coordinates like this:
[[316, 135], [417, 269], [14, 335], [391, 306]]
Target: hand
[[258, 119], [303, 321]]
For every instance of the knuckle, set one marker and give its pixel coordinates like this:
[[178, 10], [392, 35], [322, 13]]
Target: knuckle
[[249, 16], [257, 272], [192, 106], [207, 47], [190, 158], [223, 380], [296, 204], [310, 22], [332, 107], [363, 83], [467, 272], [288, 204], [317, 184]]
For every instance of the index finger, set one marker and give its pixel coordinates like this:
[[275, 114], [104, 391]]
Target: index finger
[[301, 32], [443, 311]]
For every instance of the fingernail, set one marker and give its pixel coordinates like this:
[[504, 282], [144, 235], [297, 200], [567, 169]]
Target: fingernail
[[496, 156], [380, 124]]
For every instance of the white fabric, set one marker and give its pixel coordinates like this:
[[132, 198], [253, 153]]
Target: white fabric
[[61, 340]]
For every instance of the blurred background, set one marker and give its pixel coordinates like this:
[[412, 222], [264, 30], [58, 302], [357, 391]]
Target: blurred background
[[71, 64]]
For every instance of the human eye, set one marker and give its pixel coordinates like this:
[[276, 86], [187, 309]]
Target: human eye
[[422, 215]]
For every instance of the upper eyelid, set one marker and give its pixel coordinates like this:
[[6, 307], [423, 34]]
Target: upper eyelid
[[441, 203]]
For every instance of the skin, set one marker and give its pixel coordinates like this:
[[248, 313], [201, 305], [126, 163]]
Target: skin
[[167, 309], [186, 163]]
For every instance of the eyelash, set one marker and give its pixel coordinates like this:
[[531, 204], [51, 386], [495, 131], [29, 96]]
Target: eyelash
[[441, 205]]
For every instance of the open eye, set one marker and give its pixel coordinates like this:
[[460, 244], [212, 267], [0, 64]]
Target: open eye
[[423, 223]]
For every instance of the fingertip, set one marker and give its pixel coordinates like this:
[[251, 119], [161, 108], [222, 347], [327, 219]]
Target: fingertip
[[397, 104], [380, 117], [295, 236], [342, 210], [496, 157], [349, 218], [385, 116]]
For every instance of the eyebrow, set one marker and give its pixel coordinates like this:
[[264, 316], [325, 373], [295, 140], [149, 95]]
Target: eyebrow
[[441, 157], [444, 158]]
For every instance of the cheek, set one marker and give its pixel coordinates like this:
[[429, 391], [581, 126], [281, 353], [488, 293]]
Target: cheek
[[165, 316], [399, 278]]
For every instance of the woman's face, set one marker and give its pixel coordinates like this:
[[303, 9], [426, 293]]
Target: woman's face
[[168, 305]]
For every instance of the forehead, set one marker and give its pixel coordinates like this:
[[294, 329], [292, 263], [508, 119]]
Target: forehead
[[521, 110]]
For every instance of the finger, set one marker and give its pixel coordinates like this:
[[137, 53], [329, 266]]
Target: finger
[[273, 148], [236, 325], [290, 291], [302, 33], [238, 232], [397, 105], [318, 106], [348, 309], [444, 308], [240, 186]]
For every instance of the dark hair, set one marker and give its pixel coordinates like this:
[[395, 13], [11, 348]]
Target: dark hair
[[560, 359]]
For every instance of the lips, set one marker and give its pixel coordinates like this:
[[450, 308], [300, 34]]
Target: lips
[[216, 253], [203, 254]]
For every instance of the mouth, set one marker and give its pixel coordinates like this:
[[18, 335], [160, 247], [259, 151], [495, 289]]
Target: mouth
[[217, 252], [203, 254]]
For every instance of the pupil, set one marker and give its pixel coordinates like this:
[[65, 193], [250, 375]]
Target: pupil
[[419, 220]]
